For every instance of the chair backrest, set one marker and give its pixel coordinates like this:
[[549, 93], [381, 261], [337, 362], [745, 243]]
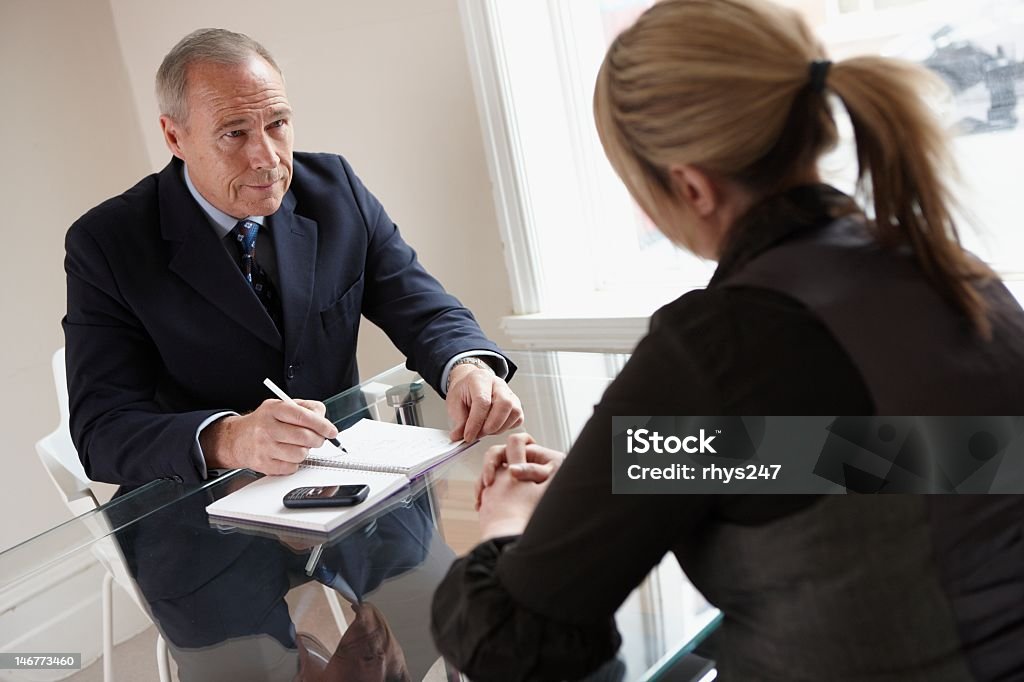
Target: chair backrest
[[58, 454], [60, 459]]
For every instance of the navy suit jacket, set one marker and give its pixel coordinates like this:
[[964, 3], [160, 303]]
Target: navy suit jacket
[[162, 331]]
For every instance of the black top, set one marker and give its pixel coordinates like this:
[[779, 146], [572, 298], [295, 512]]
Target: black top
[[541, 606]]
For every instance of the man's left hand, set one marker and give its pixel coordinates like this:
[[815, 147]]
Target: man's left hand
[[480, 404]]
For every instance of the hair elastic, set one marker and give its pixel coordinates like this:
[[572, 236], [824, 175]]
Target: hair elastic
[[818, 74]]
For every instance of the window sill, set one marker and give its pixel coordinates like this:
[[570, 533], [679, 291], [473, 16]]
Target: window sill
[[613, 324], [550, 331], [609, 320]]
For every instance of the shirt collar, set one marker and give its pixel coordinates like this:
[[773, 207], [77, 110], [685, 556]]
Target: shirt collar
[[777, 219], [222, 223]]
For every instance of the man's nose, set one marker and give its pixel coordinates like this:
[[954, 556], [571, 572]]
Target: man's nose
[[262, 154]]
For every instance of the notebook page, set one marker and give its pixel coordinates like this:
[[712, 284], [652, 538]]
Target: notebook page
[[397, 447]]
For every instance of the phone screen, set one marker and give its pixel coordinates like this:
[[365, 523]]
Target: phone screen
[[329, 491]]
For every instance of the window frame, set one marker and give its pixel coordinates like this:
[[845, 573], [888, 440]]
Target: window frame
[[564, 307]]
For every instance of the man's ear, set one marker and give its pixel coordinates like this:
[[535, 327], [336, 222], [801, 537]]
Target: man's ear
[[172, 133], [695, 188]]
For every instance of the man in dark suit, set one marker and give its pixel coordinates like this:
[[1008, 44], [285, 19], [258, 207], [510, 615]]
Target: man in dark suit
[[239, 261]]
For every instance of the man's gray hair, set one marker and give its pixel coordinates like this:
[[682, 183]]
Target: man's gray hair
[[215, 45]]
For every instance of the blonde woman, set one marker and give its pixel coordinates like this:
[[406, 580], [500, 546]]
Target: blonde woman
[[714, 113]]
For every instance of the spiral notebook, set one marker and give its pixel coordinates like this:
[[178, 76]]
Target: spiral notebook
[[391, 448], [381, 455]]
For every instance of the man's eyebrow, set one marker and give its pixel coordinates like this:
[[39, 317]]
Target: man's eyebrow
[[232, 123], [239, 122]]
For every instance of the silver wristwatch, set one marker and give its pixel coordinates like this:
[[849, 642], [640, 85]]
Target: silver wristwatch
[[468, 360]]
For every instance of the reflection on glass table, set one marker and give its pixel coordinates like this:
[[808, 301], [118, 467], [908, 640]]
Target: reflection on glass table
[[254, 603]]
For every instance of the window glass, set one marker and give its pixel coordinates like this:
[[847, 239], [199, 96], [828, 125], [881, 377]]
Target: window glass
[[587, 237]]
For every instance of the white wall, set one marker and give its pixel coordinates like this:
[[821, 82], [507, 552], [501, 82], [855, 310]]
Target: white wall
[[385, 83]]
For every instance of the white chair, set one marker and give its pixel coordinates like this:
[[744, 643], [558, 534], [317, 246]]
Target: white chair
[[60, 459]]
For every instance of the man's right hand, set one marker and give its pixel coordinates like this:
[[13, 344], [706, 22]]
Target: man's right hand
[[273, 439]]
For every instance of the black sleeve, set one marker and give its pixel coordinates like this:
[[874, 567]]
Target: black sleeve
[[713, 352], [542, 606], [481, 628]]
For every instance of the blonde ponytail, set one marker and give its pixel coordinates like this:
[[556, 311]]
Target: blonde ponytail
[[904, 166], [726, 85]]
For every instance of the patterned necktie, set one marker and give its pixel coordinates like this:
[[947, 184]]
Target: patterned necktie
[[245, 234]]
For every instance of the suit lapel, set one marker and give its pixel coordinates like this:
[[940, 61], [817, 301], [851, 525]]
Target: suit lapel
[[201, 260], [295, 244]]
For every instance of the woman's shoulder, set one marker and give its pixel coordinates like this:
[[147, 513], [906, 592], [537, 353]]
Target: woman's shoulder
[[740, 350], [731, 322]]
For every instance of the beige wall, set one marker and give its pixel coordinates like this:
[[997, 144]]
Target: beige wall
[[385, 83], [70, 138]]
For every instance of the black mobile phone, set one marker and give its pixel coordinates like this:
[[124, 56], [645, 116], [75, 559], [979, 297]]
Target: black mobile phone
[[326, 496]]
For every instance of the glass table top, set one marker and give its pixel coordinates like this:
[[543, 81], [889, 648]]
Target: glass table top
[[256, 603]]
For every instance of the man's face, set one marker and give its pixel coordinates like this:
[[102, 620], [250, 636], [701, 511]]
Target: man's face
[[237, 141]]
